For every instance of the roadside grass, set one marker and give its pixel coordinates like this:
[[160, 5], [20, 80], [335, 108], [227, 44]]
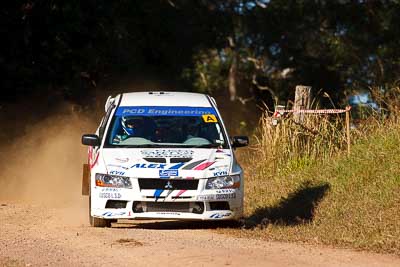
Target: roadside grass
[[304, 187]]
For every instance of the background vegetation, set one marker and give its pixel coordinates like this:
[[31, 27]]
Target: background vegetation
[[309, 190], [246, 50]]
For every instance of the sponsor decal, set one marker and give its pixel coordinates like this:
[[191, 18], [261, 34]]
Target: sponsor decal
[[217, 197], [118, 166], [157, 166], [225, 191], [220, 215], [167, 173], [221, 173], [167, 153], [164, 111], [209, 118], [113, 195], [219, 168], [149, 166], [117, 173], [113, 214], [225, 196], [110, 189], [122, 160], [206, 197]]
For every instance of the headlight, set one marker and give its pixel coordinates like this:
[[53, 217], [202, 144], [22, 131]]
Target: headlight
[[231, 181], [106, 180]]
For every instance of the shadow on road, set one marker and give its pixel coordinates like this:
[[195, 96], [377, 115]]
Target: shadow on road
[[174, 225], [297, 208]]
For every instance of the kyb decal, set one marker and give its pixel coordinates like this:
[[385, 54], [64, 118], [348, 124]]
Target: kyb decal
[[117, 173], [220, 173]]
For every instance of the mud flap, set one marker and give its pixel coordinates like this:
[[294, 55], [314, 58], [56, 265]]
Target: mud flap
[[85, 179]]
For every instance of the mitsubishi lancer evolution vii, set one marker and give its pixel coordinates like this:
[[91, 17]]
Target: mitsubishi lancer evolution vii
[[162, 155]]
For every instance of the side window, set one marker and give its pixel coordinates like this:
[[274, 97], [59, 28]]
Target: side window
[[104, 122]]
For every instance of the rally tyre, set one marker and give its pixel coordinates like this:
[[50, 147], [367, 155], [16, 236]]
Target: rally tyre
[[98, 222]]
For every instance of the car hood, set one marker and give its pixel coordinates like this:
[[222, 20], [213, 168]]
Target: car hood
[[168, 163]]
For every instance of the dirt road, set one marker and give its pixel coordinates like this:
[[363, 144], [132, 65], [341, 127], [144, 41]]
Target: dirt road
[[43, 218], [38, 235]]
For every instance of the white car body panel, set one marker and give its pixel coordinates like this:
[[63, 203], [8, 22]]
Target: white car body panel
[[198, 164]]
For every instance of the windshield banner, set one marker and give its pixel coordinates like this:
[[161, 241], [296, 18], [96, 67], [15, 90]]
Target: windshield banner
[[164, 111]]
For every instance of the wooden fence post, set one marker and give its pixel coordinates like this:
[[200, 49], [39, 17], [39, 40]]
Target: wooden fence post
[[301, 101], [348, 129]]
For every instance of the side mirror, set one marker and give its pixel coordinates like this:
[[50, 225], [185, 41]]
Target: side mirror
[[239, 141], [90, 140]]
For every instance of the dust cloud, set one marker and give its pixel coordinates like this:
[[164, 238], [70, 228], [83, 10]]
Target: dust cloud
[[44, 165]]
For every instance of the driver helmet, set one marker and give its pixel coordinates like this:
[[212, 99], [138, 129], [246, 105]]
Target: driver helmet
[[131, 125]]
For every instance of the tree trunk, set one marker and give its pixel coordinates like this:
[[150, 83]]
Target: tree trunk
[[232, 78]]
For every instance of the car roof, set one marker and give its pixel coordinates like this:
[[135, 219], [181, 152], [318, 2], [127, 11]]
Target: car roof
[[157, 98]]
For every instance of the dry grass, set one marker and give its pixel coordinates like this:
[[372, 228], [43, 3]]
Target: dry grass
[[302, 186]]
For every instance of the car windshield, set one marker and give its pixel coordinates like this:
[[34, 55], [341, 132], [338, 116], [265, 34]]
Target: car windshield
[[165, 127]]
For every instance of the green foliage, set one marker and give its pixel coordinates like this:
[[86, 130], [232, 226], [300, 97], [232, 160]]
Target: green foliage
[[329, 45], [312, 191], [209, 71]]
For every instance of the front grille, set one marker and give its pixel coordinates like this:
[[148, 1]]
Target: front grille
[[168, 184], [182, 207], [168, 207]]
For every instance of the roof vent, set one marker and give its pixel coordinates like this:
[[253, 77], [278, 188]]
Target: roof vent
[[157, 93]]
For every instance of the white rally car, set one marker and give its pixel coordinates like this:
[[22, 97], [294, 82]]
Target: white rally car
[[162, 155]]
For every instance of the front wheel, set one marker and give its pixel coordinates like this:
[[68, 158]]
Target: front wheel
[[98, 222]]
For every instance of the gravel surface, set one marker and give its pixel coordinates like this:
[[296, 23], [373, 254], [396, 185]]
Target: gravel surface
[[38, 235]]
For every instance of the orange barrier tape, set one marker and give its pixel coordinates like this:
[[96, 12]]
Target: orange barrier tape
[[313, 111]]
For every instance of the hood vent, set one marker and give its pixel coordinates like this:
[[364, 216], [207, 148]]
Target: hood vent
[[156, 160], [180, 160]]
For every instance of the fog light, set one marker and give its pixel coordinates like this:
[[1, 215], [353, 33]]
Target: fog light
[[137, 207], [198, 208], [116, 204]]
